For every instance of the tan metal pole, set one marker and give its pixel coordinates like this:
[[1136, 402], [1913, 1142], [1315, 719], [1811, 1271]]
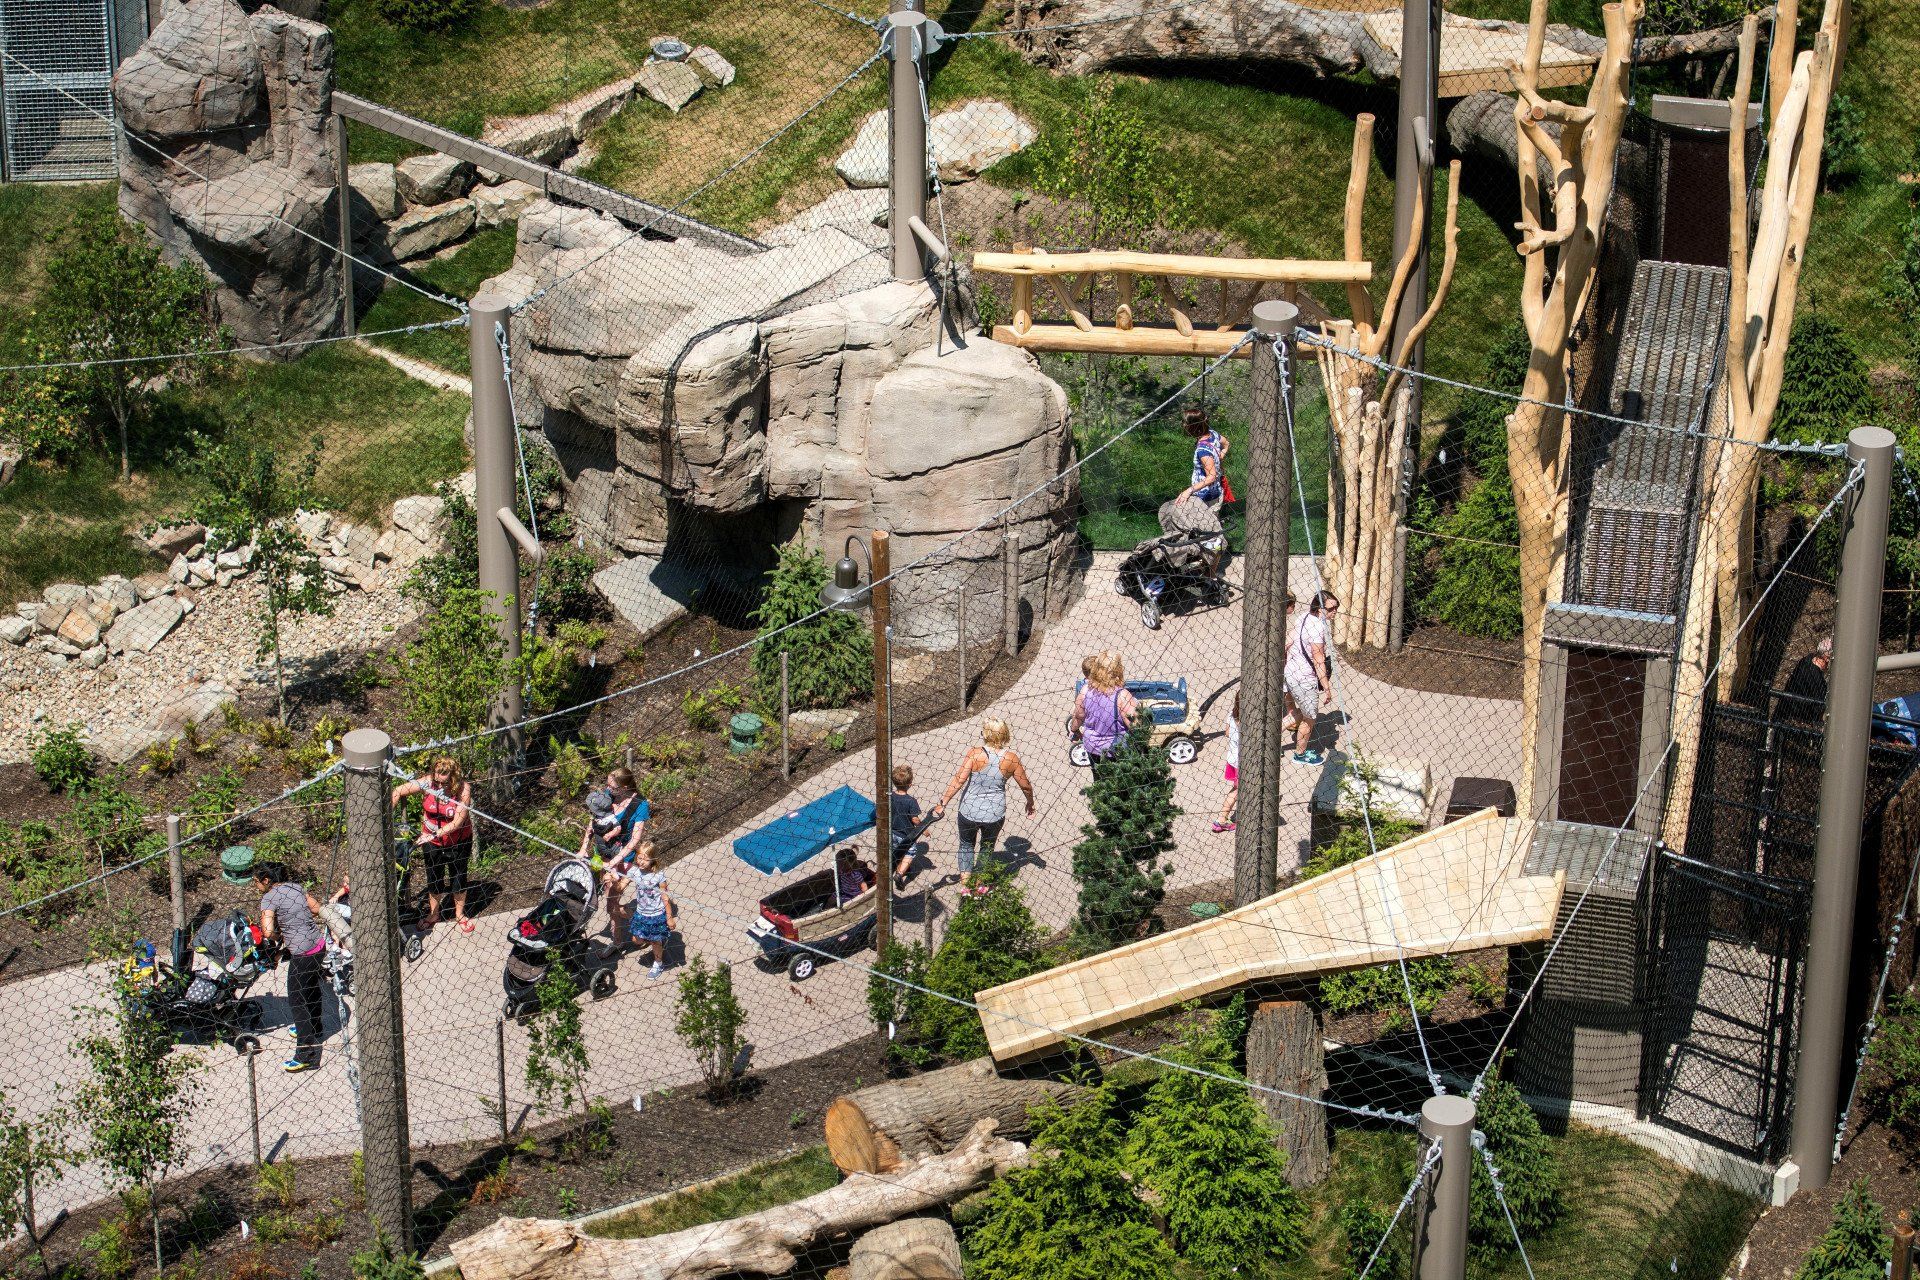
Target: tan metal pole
[[881, 554], [908, 182], [1441, 1233], [493, 481]]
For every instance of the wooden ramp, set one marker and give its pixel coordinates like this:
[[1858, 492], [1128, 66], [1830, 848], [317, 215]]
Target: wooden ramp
[[1460, 887]]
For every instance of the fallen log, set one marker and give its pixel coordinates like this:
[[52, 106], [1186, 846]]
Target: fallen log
[[876, 1129], [768, 1242], [911, 1249]]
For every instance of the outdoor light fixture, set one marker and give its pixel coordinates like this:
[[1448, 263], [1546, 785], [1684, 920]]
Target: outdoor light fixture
[[846, 592]]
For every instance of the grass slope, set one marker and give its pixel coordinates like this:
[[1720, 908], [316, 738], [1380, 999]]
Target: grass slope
[[458, 275], [761, 1187]]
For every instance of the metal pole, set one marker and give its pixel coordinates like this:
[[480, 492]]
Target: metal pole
[[1413, 168], [500, 1063], [253, 1104], [1011, 591], [1843, 788], [960, 647], [493, 483], [1256, 840], [176, 879], [1440, 1241], [343, 204], [908, 130], [786, 756], [881, 556], [376, 975]]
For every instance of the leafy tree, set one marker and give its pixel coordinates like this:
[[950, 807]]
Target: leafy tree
[[1529, 1170], [1109, 163], [830, 658], [1856, 1245], [1118, 861], [896, 1007], [709, 1022], [108, 297], [457, 566], [453, 669], [251, 500], [137, 1097], [557, 1060], [1824, 388], [1203, 1148], [993, 938], [33, 1151], [1071, 1214]]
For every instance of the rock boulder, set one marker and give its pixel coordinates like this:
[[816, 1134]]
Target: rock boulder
[[139, 630], [429, 228], [671, 84], [972, 139], [433, 178], [379, 186]]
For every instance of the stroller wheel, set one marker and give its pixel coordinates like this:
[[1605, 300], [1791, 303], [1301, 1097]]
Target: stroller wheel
[[1119, 584], [246, 1045], [1078, 757], [510, 1010], [1150, 613], [415, 946], [601, 984], [802, 967], [250, 1016]]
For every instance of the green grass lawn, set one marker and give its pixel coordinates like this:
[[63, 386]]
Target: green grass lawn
[[458, 275], [383, 437], [761, 1187]]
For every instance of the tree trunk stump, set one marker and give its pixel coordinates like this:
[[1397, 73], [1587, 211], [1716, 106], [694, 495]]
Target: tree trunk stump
[[873, 1130], [911, 1249], [1286, 1051]]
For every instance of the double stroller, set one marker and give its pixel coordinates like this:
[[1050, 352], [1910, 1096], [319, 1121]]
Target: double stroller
[[555, 933], [1180, 568], [201, 997]]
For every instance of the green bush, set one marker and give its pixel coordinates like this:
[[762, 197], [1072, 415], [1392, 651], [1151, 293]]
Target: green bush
[[61, 760], [1845, 145], [457, 568], [1351, 844], [993, 938], [706, 708], [897, 1009], [427, 15], [1894, 1059], [830, 657], [109, 818], [380, 1261], [452, 670], [1362, 1227], [1824, 388], [566, 587], [1384, 988], [709, 1020], [1529, 1170], [1072, 1213], [1902, 283], [1855, 1246], [35, 863], [1202, 1146], [1118, 860]]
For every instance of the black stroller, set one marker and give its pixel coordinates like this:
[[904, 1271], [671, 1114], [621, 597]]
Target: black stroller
[[555, 932], [202, 997], [1170, 573]]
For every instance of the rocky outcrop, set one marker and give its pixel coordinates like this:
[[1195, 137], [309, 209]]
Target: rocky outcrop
[[694, 399], [962, 143], [231, 164]]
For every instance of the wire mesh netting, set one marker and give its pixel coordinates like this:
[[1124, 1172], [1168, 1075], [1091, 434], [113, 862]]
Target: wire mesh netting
[[1525, 651]]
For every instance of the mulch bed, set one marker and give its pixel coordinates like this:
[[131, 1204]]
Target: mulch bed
[[1782, 1237], [1437, 659], [551, 1171]]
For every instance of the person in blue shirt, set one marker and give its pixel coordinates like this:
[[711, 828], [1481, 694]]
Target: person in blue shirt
[[617, 823], [1208, 485]]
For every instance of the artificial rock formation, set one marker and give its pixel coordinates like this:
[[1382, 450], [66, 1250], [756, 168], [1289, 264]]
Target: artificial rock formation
[[230, 161], [707, 407]]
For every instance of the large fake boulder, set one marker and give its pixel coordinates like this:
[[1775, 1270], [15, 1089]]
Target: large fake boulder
[[231, 164]]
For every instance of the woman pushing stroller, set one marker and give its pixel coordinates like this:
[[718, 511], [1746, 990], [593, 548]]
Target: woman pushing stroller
[[446, 836]]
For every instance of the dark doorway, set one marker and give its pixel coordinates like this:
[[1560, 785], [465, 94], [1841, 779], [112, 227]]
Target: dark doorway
[[1695, 203], [1600, 737]]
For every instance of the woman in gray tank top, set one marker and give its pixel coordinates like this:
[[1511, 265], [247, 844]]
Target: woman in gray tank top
[[981, 784]]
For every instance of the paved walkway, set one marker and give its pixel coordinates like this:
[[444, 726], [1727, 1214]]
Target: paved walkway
[[453, 994]]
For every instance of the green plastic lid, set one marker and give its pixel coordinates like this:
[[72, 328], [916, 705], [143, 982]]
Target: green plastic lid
[[1206, 910], [746, 724], [236, 864]]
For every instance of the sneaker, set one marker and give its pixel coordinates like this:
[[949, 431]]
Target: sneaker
[[1307, 757], [293, 1066], [657, 971], [1220, 827]]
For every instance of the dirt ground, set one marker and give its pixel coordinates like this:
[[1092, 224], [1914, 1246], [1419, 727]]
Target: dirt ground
[[1782, 1237], [1438, 659]]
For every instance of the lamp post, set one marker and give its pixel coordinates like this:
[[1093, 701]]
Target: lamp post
[[847, 594]]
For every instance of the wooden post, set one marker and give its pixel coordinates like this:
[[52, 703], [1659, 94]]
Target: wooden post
[[1397, 617], [786, 755], [881, 555], [1011, 591], [343, 202], [1902, 1247], [882, 1126], [1287, 1051], [1022, 294], [500, 1064], [960, 645]]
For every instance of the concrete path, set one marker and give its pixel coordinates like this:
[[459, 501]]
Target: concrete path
[[454, 994]]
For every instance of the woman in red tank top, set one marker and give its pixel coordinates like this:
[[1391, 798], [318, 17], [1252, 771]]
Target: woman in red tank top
[[446, 836]]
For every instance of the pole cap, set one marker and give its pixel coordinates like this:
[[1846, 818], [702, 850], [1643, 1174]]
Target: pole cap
[[1447, 1111], [1275, 319], [491, 304], [366, 748], [1862, 440], [906, 18]]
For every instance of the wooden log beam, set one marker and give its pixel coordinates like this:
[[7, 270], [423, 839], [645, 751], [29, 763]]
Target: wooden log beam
[[1275, 270], [1358, 164], [881, 1127], [1141, 340], [769, 1242]]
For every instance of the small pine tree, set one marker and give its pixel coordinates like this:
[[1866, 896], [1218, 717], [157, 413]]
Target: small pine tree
[[709, 1022], [1369, 1249], [557, 1062], [1118, 862], [1202, 1146], [1824, 389], [993, 938], [1529, 1170], [830, 657], [1855, 1246], [1072, 1214]]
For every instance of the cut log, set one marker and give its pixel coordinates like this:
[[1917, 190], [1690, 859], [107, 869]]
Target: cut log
[[911, 1249], [876, 1129], [768, 1242], [1286, 1051]]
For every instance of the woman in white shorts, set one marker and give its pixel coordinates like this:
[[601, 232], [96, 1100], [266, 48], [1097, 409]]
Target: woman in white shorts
[[1309, 673]]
